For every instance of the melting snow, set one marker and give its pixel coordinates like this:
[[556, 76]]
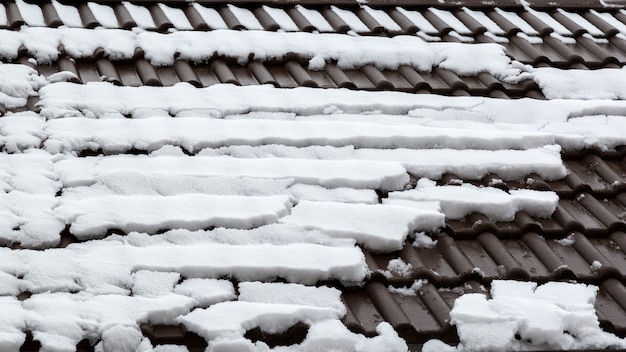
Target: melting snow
[[282, 185], [555, 315]]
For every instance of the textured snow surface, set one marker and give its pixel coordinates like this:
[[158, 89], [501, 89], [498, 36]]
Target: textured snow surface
[[473, 122], [555, 315], [198, 202], [346, 51], [17, 83]]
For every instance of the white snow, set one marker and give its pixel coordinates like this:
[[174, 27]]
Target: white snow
[[380, 228], [91, 217], [383, 18], [610, 19], [350, 18], [397, 267], [104, 15], [282, 18], [298, 262], [419, 20], [424, 241], [408, 291], [581, 21], [210, 16], [431, 163], [140, 14], [550, 21], [17, 83], [32, 14], [555, 315], [153, 283], [194, 134], [347, 51], [176, 16], [68, 14], [484, 20], [581, 84], [449, 19], [517, 21], [233, 319], [483, 117], [315, 18], [206, 291], [341, 194], [278, 293], [60, 320], [328, 173], [245, 17], [280, 186], [567, 241], [3, 16], [458, 201]]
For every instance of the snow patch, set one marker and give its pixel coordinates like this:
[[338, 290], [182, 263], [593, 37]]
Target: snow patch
[[555, 315], [380, 228]]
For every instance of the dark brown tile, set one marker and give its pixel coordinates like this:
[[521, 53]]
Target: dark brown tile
[[335, 21], [195, 19], [265, 19], [230, 19], [50, 15], [87, 16], [161, 21], [299, 74], [124, 18], [369, 21], [14, 18], [147, 73], [300, 21]]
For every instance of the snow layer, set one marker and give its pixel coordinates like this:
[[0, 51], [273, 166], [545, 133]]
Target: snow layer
[[581, 84], [458, 201], [347, 51], [524, 127], [330, 173], [18, 82], [194, 134], [93, 216], [555, 315], [431, 163], [111, 274], [380, 228]]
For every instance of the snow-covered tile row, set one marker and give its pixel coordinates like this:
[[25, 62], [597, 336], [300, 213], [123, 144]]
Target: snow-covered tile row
[[347, 51], [380, 228], [196, 133], [330, 173], [519, 123], [112, 262], [430, 163], [17, 84], [458, 201], [93, 216], [60, 320], [523, 316]]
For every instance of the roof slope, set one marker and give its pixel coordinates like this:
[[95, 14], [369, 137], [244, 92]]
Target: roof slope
[[165, 191]]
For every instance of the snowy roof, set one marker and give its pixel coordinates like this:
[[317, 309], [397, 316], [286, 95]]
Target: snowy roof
[[249, 175]]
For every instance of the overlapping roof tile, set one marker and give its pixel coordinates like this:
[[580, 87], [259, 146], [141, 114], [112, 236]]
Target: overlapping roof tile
[[309, 184]]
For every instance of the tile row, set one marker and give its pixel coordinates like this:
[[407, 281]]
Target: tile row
[[331, 17], [587, 214], [599, 174], [425, 315], [557, 37], [452, 262], [417, 318], [286, 74]]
